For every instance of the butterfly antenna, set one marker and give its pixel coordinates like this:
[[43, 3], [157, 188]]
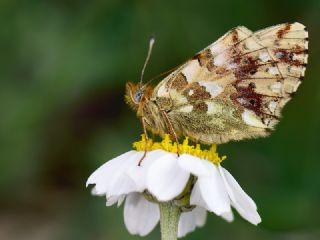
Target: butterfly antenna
[[151, 42]]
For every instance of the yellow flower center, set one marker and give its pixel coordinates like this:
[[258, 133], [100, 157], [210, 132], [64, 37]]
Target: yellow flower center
[[167, 145]]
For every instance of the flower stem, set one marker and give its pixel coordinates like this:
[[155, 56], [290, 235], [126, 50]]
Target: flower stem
[[169, 219]]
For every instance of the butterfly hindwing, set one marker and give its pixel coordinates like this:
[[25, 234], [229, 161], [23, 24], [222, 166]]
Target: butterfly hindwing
[[236, 87]]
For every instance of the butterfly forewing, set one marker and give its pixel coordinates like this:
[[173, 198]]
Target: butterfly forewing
[[236, 87]]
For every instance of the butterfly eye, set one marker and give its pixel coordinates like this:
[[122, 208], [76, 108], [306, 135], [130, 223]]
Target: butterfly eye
[[138, 95]]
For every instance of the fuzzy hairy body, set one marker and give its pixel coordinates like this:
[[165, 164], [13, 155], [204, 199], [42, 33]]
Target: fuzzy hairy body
[[232, 90]]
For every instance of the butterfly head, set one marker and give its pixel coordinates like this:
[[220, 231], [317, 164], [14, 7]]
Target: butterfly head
[[137, 94], [134, 94]]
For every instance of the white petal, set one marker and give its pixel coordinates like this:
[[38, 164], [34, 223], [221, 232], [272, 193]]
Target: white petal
[[110, 172], [165, 179], [213, 192], [112, 200], [194, 165], [190, 220], [240, 200], [122, 185], [228, 216], [115, 199], [139, 173], [95, 193], [105, 168], [196, 197], [121, 200], [186, 224], [140, 215], [201, 216]]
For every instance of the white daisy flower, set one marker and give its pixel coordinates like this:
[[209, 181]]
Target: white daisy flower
[[195, 182]]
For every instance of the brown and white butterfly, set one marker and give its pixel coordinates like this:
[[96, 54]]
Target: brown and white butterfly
[[233, 89]]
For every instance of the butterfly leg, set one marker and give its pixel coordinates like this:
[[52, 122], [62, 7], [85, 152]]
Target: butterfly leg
[[195, 143], [171, 130], [146, 140]]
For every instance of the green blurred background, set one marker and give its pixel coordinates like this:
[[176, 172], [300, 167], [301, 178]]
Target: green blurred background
[[63, 67]]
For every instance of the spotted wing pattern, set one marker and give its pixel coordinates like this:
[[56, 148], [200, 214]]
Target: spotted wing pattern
[[236, 87]]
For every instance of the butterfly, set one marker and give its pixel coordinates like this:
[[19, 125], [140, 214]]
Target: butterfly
[[234, 89]]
